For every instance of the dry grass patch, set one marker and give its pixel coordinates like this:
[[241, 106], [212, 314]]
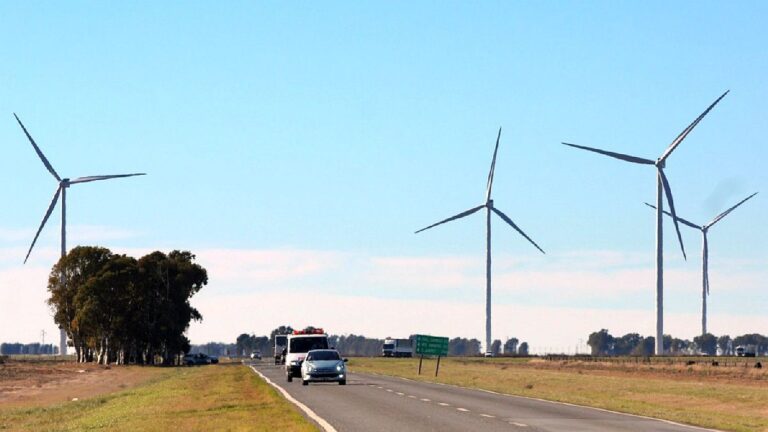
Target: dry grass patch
[[210, 398], [729, 400]]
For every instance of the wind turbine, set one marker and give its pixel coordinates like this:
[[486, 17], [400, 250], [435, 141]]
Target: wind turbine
[[662, 188], [488, 205], [61, 190], [705, 255]]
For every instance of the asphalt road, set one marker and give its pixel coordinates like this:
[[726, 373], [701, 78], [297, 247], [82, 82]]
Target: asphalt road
[[378, 403]]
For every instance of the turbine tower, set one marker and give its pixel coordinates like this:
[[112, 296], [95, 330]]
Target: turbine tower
[[61, 190], [662, 188], [705, 255], [489, 207]]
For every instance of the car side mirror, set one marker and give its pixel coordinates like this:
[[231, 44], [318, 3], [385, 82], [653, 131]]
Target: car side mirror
[[346, 360]]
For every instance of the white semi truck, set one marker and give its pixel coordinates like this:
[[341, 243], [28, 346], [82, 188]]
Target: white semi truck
[[298, 344], [397, 348], [280, 341]]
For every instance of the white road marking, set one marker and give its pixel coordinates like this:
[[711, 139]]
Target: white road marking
[[487, 415], [390, 390], [412, 396], [462, 409], [425, 400], [311, 414], [518, 424], [443, 404], [400, 394], [380, 387]]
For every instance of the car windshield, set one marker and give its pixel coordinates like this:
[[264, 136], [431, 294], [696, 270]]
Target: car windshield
[[323, 355], [302, 345]]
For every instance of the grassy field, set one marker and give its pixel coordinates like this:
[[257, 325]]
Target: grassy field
[[226, 397], [734, 400]]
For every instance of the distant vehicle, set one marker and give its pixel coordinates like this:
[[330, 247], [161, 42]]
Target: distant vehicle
[[214, 359], [198, 359], [280, 343], [256, 355], [297, 346], [746, 350], [324, 365], [397, 348], [488, 354]]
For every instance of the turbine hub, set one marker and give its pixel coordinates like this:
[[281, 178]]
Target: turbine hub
[[489, 203], [660, 163], [65, 182]]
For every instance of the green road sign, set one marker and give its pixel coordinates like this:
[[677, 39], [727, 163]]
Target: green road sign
[[431, 345]]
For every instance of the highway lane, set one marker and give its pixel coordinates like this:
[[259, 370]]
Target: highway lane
[[379, 403]]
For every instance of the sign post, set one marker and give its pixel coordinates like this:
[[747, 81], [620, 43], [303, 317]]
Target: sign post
[[431, 346]]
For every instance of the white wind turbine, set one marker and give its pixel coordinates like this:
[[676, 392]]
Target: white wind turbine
[[488, 205], [662, 188], [705, 255], [61, 189]]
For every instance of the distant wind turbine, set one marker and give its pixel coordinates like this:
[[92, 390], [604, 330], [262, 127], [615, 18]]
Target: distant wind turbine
[[488, 205], [61, 190], [705, 255], [662, 188]]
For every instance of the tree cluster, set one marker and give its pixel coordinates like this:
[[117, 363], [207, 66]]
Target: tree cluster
[[602, 343], [361, 346], [116, 308]]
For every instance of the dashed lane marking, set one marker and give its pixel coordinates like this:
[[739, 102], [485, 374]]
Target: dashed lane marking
[[487, 416], [311, 414], [462, 409], [443, 404], [390, 390], [412, 396], [400, 394], [425, 400], [518, 424]]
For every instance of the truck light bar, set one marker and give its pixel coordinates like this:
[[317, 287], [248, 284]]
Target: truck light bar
[[309, 332]]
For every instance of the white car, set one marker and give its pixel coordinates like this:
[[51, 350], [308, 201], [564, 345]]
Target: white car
[[325, 365]]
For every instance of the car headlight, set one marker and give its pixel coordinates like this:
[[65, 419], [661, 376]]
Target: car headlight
[[294, 363], [340, 367], [311, 368]]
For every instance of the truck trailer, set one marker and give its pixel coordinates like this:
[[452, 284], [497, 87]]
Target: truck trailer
[[397, 348]]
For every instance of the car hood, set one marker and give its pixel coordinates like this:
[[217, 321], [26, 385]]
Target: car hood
[[322, 364]]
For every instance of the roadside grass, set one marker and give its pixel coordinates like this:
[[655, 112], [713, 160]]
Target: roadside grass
[[685, 395], [211, 398]]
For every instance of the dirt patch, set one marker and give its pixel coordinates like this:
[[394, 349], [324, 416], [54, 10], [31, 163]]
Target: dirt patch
[[41, 383]]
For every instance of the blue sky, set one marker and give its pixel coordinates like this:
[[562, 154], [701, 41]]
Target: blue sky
[[327, 133]]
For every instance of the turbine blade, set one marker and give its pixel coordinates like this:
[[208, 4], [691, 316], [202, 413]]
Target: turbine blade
[[458, 216], [706, 264], [679, 219], [37, 149], [509, 221], [621, 156], [45, 219], [493, 168], [668, 192], [725, 213], [102, 177], [688, 130]]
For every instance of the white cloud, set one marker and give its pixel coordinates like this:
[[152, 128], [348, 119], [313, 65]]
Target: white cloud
[[549, 302]]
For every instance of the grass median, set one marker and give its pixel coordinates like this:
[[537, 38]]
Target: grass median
[[209, 398], [731, 400]]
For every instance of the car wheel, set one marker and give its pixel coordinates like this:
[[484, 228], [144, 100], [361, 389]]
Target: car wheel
[[343, 382], [289, 377], [303, 382]]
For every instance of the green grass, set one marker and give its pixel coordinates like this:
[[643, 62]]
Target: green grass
[[211, 398], [685, 395]]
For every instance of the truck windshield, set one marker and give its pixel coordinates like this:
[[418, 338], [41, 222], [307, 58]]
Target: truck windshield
[[389, 346], [323, 355], [280, 340], [302, 345]]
